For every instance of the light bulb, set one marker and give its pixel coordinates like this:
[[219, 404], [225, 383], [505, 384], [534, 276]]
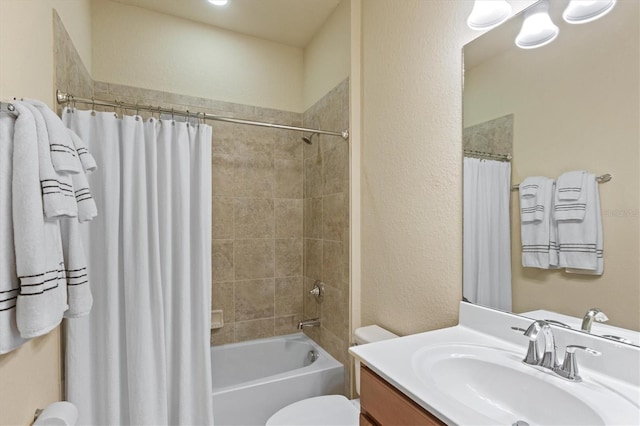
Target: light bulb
[[218, 2], [537, 29], [487, 14], [583, 11]]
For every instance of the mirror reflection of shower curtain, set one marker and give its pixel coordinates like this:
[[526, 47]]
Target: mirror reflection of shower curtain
[[487, 239], [143, 355]]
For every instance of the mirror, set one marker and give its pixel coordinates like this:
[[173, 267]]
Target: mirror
[[570, 105]]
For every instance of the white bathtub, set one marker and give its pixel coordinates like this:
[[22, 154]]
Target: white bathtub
[[252, 380]]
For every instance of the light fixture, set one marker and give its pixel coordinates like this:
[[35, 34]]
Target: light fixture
[[218, 2], [583, 11], [537, 29], [487, 14]]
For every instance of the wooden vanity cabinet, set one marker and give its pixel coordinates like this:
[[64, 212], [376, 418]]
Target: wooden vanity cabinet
[[381, 404]]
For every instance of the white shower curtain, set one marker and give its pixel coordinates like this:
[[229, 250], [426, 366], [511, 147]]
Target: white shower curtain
[[142, 356], [487, 238]]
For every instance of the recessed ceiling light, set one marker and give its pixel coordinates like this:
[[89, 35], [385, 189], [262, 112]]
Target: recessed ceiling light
[[218, 2]]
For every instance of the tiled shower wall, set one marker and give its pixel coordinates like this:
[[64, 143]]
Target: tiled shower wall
[[275, 199], [326, 223]]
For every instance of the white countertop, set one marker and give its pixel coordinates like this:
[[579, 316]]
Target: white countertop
[[393, 360]]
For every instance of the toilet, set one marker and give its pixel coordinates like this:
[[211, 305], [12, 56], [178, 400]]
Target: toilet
[[330, 409]]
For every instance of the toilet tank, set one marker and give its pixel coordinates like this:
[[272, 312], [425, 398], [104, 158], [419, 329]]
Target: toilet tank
[[369, 334]]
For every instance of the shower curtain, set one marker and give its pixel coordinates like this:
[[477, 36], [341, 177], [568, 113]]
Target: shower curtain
[[487, 239], [142, 356]]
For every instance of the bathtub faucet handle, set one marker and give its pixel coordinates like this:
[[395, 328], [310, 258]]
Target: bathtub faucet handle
[[318, 290]]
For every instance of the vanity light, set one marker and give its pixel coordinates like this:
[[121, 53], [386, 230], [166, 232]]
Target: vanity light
[[487, 14], [218, 2], [537, 29], [583, 11]]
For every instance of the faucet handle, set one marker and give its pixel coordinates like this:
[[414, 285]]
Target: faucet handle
[[569, 369]]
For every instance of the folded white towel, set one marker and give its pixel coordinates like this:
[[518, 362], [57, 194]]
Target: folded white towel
[[573, 209], [534, 206], [57, 189], [62, 149], [9, 284], [88, 162], [569, 185], [38, 250], [78, 290], [87, 209], [535, 234], [581, 242]]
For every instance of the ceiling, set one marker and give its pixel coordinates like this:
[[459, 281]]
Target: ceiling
[[291, 22]]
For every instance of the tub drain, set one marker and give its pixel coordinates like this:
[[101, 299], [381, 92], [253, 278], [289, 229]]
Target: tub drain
[[520, 423], [313, 355]]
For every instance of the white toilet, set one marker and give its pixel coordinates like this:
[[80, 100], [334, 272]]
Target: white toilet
[[330, 409]]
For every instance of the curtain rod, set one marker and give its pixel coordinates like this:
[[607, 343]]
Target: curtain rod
[[600, 179], [487, 155], [65, 98]]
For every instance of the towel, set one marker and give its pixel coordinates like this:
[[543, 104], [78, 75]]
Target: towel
[[535, 226], [532, 208], [574, 208], [57, 188], [38, 249], [87, 209], [9, 284], [581, 242], [88, 162], [569, 185], [62, 150], [78, 291]]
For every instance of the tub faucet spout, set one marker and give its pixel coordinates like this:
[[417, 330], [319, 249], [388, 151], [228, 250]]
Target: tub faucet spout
[[315, 322]]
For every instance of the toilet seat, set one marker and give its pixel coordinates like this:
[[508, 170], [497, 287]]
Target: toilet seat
[[322, 410]]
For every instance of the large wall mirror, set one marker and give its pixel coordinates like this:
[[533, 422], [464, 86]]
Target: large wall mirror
[[573, 104]]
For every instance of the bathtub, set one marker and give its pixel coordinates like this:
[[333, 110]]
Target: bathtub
[[252, 380]]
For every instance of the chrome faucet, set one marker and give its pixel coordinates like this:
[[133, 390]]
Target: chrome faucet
[[315, 322], [548, 360], [569, 369], [591, 315]]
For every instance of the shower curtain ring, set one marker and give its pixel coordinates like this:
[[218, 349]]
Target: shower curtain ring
[[93, 107], [173, 118]]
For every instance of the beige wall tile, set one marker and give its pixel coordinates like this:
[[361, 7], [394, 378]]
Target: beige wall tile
[[313, 258], [335, 312], [289, 296], [288, 257], [288, 178], [336, 168], [254, 299], [287, 324], [334, 345], [253, 218], [334, 217], [222, 218], [254, 177], [288, 146], [313, 177], [224, 335], [312, 217], [222, 175], [222, 298], [312, 308], [254, 259], [222, 260], [255, 329], [335, 266], [288, 218]]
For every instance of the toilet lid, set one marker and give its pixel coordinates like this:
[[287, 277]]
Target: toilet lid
[[321, 410]]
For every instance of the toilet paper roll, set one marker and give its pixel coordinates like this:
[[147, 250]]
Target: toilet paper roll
[[60, 413]]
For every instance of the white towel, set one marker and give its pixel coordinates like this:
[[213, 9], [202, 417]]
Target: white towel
[[9, 284], [88, 162], [533, 204], [535, 234], [57, 188], [38, 250], [78, 290], [574, 208], [62, 149], [581, 242], [87, 209], [569, 185]]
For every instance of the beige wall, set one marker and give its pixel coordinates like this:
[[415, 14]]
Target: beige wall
[[412, 162], [31, 375], [327, 56], [580, 112], [151, 50]]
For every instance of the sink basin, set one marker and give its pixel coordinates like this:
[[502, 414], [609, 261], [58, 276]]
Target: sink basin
[[495, 386]]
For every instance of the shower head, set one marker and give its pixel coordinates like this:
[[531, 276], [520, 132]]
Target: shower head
[[307, 139]]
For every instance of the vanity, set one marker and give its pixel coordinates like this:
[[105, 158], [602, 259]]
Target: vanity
[[474, 373]]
